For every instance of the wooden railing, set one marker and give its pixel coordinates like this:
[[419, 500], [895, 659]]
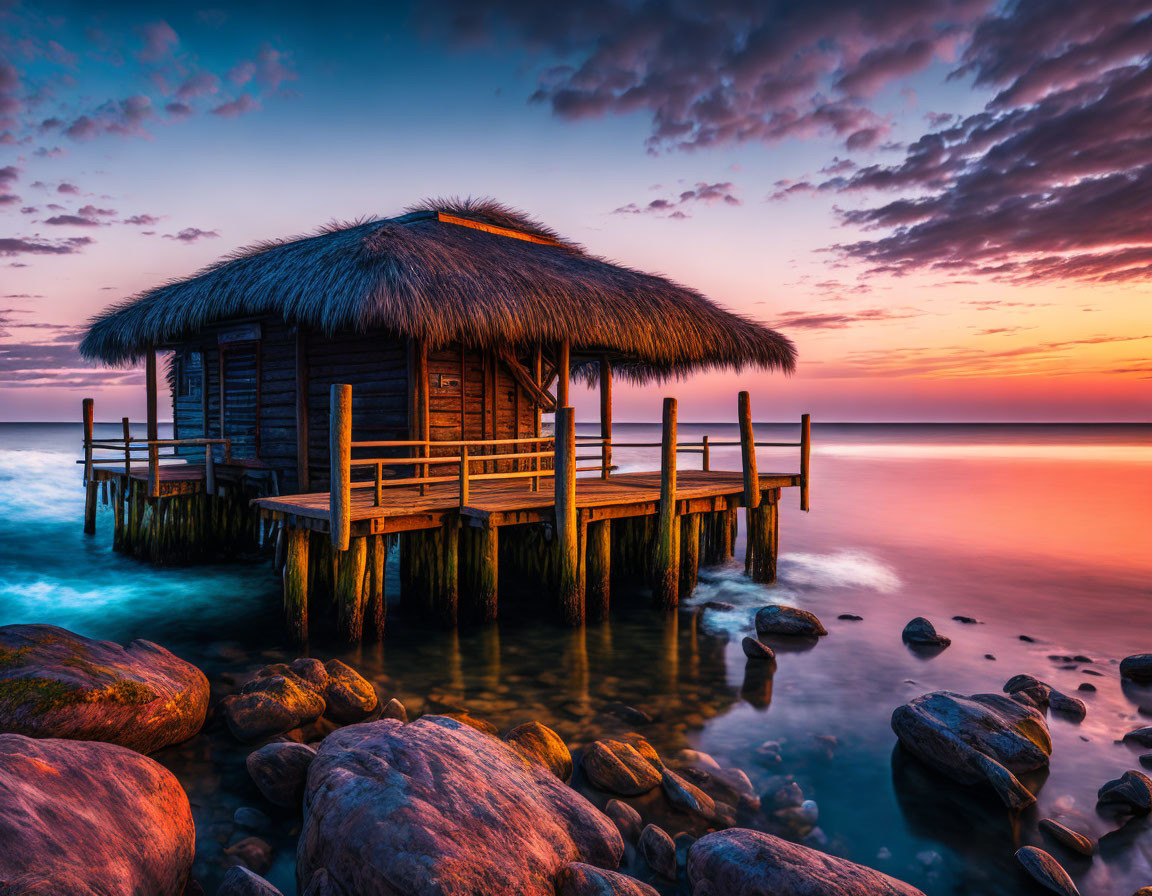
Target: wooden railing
[[125, 446]]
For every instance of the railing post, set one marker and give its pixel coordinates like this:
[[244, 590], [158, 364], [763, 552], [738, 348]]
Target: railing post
[[209, 470], [605, 417], [153, 470], [666, 578], [570, 581], [379, 496], [463, 475], [805, 454], [340, 462], [89, 482], [748, 453], [127, 451], [705, 457]]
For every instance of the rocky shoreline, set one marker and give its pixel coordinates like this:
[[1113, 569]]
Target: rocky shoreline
[[444, 802]]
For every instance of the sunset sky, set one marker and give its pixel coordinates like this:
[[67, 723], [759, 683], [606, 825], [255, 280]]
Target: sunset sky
[[947, 205]]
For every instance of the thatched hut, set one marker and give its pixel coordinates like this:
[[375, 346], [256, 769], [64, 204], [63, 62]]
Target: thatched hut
[[451, 321]]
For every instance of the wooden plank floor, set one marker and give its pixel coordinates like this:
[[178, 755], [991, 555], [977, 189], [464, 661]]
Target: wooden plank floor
[[504, 502], [167, 473]]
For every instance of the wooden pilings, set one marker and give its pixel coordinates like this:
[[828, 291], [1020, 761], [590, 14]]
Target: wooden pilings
[[689, 553], [805, 457], [763, 538], [569, 581], [90, 485], [296, 584], [479, 576], [598, 569], [351, 565], [339, 453], [605, 417], [376, 598], [666, 551]]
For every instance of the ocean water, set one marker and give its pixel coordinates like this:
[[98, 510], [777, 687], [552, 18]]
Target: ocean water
[[1036, 531]]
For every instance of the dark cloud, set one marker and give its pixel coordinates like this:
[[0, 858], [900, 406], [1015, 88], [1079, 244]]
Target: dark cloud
[[191, 235], [723, 71], [709, 194], [68, 188], [71, 221], [806, 320], [198, 85], [9, 199], [91, 211], [9, 174], [237, 107], [1053, 179], [141, 220], [158, 39], [123, 118], [10, 246]]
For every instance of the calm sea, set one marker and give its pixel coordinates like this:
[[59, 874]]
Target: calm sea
[[1037, 531]]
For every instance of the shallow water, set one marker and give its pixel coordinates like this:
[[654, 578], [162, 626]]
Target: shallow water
[[1041, 531]]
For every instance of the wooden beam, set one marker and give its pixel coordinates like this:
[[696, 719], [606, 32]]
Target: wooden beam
[[748, 453], [528, 382], [569, 587], [805, 457], [606, 415], [598, 565], [90, 484], [296, 585], [562, 374], [350, 569], [339, 455], [666, 559], [302, 383], [153, 422]]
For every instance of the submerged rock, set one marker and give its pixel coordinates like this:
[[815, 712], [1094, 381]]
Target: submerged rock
[[1132, 790], [271, 705], [239, 881], [539, 743], [55, 683], [1137, 667], [741, 862], [1067, 837], [687, 797], [618, 767], [780, 620], [1041, 694], [279, 771], [755, 649], [578, 879], [984, 738], [436, 807], [1141, 736], [348, 696], [658, 851], [90, 819], [394, 709], [922, 633], [1046, 871], [850, 617], [626, 819]]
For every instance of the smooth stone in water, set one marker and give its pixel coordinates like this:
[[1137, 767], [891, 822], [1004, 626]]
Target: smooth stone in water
[[1137, 667], [741, 862], [1133, 790], [1067, 837], [687, 797], [1141, 736], [696, 759], [271, 705], [1046, 871], [618, 767], [90, 819], [280, 770], [239, 881], [983, 738], [780, 620], [658, 851], [626, 819], [349, 697], [850, 617], [416, 809], [539, 743], [1146, 760], [251, 852], [923, 633], [251, 818], [1073, 707], [54, 683], [578, 879], [1086, 686], [394, 709], [755, 649]]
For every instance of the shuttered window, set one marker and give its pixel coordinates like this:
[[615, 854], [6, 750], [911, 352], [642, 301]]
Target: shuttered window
[[240, 397]]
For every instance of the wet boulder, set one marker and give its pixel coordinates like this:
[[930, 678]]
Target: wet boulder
[[539, 743], [1137, 667], [775, 619], [239, 881], [280, 770], [348, 696], [1046, 871], [618, 767], [55, 683], [436, 807], [1132, 791], [687, 797], [1139, 736], [1067, 837], [90, 819], [271, 705], [922, 633], [755, 649], [658, 850], [578, 879], [986, 738], [741, 862], [626, 819]]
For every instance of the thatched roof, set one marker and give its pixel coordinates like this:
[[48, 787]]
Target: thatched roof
[[510, 281]]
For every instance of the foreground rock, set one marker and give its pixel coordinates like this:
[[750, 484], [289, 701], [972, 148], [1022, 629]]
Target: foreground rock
[[922, 633], [239, 881], [271, 705], [755, 649], [658, 851], [90, 819], [779, 620], [1067, 837], [984, 738], [626, 819], [1132, 791], [1041, 694], [54, 683], [280, 770], [539, 743], [579, 879], [348, 696], [740, 862], [618, 767], [1137, 667], [436, 807], [1046, 871], [1141, 736]]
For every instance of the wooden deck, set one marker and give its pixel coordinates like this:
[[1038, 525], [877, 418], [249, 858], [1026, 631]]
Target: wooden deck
[[173, 479], [512, 502]]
